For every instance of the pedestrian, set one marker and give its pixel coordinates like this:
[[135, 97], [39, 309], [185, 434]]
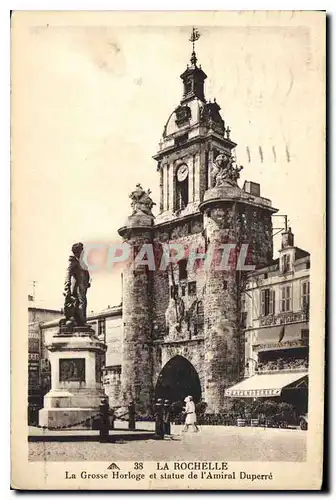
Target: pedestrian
[[190, 414]]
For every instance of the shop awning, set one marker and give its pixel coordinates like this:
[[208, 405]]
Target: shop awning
[[267, 385]]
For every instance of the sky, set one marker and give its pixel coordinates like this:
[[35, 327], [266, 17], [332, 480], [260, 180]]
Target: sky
[[89, 107]]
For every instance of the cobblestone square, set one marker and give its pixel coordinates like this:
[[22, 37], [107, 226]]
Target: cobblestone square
[[211, 443]]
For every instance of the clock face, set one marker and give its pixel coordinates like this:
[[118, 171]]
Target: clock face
[[182, 172]]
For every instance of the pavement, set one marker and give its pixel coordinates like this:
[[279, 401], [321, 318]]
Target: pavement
[[144, 430], [211, 443], [36, 434]]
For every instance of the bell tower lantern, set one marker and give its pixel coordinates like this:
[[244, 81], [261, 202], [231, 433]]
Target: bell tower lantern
[[193, 77], [193, 136]]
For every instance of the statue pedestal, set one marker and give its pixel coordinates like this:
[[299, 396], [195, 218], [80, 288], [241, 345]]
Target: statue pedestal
[[76, 359]]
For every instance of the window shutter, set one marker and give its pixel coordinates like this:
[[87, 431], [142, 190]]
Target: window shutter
[[272, 302], [303, 293], [262, 302]]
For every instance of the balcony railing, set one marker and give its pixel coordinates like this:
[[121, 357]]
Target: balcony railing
[[282, 370]]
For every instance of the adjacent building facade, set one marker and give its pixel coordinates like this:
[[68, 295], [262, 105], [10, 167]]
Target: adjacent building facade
[[38, 365], [276, 317]]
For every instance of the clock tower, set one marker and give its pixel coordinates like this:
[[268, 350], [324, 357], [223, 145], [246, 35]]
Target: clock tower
[[182, 322], [193, 136]]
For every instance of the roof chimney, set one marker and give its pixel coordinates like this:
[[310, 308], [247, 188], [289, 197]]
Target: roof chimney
[[287, 239]]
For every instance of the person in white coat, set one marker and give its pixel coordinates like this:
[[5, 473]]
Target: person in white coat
[[190, 414]]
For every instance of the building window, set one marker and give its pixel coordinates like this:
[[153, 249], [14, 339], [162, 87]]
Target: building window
[[183, 273], [267, 302], [198, 323], [101, 327], [286, 299], [243, 302], [187, 87], [305, 290], [243, 320], [192, 288], [182, 194], [183, 290], [183, 113], [181, 139], [286, 263]]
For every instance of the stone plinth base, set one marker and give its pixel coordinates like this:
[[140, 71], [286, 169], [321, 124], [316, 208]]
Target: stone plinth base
[[76, 357], [73, 398], [60, 418]]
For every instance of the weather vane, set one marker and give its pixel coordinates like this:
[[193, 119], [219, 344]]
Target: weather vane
[[195, 34]]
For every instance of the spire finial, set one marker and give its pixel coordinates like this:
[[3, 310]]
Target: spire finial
[[195, 34]]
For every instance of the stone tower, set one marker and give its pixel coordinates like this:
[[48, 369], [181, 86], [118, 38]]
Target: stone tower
[[182, 323], [202, 207], [241, 223], [136, 374]]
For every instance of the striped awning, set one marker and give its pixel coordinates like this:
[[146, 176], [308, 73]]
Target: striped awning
[[267, 385]]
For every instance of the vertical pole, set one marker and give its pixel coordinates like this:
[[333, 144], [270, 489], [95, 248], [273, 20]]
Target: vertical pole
[[159, 430], [131, 416], [104, 428]]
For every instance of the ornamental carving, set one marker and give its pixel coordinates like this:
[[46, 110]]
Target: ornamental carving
[[175, 313], [224, 171], [141, 203]]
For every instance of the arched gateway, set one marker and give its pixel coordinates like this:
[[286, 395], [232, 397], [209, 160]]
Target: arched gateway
[[178, 379]]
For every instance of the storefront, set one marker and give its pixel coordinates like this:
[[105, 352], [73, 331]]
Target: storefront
[[287, 387]]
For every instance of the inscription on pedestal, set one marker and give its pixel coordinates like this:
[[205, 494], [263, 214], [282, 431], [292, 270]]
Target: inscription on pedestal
[[72, 370]]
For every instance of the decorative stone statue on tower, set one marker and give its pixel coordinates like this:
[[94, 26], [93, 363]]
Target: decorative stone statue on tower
[[76, 284], [224, 172], [141, 201], [142, 204]]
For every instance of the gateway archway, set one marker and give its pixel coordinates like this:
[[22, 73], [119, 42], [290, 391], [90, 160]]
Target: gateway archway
[[178, 379]]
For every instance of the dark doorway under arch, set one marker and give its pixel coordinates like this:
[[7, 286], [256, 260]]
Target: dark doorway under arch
[[178, 379]]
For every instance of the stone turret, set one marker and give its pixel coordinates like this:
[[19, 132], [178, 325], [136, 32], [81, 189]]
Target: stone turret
[[136, 373], [231, 216]]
